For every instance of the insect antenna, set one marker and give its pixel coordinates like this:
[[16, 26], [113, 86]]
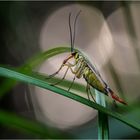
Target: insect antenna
[[72, 35], [70, 32], [75, 27]]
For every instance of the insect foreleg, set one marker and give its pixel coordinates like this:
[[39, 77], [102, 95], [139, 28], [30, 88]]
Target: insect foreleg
[[62, 78], [69, 65], [63, 64], [52, 75]]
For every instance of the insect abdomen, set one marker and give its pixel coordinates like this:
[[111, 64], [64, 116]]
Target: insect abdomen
[[93, 80]]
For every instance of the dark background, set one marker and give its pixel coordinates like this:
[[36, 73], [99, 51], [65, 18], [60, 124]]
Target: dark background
[[34, 14]]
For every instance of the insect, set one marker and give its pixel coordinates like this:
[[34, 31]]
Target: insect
[[83, 68]]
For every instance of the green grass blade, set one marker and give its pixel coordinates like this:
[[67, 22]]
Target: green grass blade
[[30, 64], [103, 127], [43, 84], [43, 56], [64, 84]]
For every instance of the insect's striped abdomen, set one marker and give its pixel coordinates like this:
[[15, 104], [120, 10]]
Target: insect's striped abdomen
[[94, 80]]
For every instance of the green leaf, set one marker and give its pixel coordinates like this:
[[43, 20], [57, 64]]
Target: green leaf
[[27, 78]]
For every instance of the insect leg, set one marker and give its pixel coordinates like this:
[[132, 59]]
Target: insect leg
[[52, 75], [87, 90], [71, 83], [62, 78], [63, 64], [69, 65], [91, 93]]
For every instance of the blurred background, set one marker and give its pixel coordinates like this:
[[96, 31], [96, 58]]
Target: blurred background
[[108, 32]]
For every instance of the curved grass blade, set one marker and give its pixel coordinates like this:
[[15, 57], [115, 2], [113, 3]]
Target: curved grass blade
[[30, 64], [33, 63], [64, 84], [43, 84], [43, 56]]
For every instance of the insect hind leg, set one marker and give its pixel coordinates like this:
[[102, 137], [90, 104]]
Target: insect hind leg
[[89, 93], [87, 90], [71, 83]]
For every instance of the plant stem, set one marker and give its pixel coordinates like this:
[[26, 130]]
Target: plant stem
[[103, 129], [27, 78]]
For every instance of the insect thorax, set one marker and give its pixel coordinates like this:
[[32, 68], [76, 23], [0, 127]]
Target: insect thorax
[[79, 65]]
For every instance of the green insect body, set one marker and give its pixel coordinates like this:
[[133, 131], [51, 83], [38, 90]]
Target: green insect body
[[82, 69]]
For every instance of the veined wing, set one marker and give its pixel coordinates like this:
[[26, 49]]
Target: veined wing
[[93, 68]]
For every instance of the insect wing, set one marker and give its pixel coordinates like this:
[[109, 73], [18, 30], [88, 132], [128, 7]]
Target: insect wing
[[94, 70]]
